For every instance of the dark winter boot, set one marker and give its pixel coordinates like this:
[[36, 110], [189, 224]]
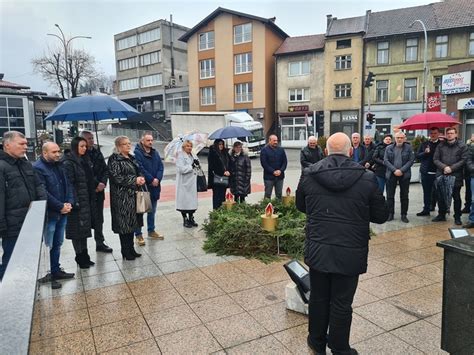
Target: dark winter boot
[[83, 264], [186, 222], [192, 221], [125, 248], [88, 258]]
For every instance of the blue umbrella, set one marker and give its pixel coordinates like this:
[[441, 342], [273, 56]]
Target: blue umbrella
[[230, 132], [92, 108]]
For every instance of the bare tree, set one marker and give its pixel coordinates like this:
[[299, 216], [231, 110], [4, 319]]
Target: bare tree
[[80, 68]]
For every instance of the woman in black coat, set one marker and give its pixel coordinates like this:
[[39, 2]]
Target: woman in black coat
[[79, 220], [377, 161], [218, 164], [240, 173], [125, 177]]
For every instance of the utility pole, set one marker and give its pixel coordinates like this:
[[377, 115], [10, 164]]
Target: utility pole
[[425, 65]]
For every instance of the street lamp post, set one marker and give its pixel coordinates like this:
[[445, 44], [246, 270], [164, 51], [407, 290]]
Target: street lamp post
[[65, 43], [425, 68]]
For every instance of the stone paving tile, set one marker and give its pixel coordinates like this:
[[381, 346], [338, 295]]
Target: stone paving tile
[[225, 269], [378, 268], [278, 289], [147, 347], [422, 335], [113, 312], [158, 301], [164, 256], [103, 280], [424, 302], [385, 315], [385, 344], [149, 285], [362, 329], [255, 298], [108, 294], [199, 339], [407, 279], [435, 319], [69, 287], [236, 282], [170, 267], [236, 329], [119, 334], [265, 345], [193, 292], [141, 272], [138, 262], [385, 249], [58, 305], [276, 317], [381, 288], [206, 260], [80, 342], [295, 339], [187, 277], [216, 308], [249, 265], [429, 271], [400, 261], [427, 255], [100, 268], [171, 320], [361, 298], [270, 275]]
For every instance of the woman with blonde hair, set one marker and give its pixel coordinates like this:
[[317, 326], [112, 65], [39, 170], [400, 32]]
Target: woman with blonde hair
[[186, 184], [125, 178]]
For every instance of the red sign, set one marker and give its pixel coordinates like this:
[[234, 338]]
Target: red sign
[[298, 108], [433, 102]]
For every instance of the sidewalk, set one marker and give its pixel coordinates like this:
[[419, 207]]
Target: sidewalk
[[177, 299]]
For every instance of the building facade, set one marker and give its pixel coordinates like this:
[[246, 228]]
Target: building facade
[[231, 65], [151, 67], [300, 89], [394, 52], [343, 74]]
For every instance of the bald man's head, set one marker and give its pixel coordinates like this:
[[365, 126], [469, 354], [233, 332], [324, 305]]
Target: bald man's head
[[339, 143], [51, 152]]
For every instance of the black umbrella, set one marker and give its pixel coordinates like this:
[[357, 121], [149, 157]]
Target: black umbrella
[[445, 186]]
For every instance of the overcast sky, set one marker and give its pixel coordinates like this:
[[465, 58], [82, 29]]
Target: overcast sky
[[25, 23]]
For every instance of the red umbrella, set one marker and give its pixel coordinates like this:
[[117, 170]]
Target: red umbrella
[[427, 120]]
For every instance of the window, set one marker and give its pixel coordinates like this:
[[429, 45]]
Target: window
[[343, 62], [243, 33], [441, 49], [382, 90], [207, 68], [128, 63], [127, 42], [177, 102], [410, 89], [11, 115], [343, 43], [298, 68], [382, 52], [208, 96], [243, 92], [151, 80], [437, 80], [297, 95], [411, 50], [471, 44], [293, 129], [243, 63], [129, 84], [343, 90], [150, 58], [206, 40], [149, 36]]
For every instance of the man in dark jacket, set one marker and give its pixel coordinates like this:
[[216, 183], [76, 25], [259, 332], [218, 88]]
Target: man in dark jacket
[[60, 202], [310, 154], [150, 162], [340, 198], [450, 157], [369, 146], [274, 161], [359, 152], [99, 167], [425, 155], [398, 159], [470, 170], [19, 186]]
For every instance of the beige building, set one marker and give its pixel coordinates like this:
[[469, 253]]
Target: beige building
[[300, 89], [231, 65], [343, 74]]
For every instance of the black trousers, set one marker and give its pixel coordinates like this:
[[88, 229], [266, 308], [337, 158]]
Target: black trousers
[[330, 306], [218, 196], [443, 209], [99, 221], [427, 182], [467, 193], [404, 188], [126, 242]]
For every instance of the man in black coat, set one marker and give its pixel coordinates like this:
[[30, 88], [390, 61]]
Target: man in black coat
[[99, 167], [340, 197], [19, 186], [273, 160], [310, 154]]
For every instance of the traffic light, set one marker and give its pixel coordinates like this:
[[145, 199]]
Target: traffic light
[[370, 79], [370, 118], [320, 123]]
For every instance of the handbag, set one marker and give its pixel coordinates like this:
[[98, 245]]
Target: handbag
[[221, 180], [201, 180], [143, 200]]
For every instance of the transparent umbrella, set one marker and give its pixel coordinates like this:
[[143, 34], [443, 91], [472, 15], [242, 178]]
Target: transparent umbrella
[[198, 139], [445, 187]]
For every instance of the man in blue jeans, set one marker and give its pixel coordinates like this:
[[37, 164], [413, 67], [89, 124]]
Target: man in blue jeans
[[60, 201], [274, 161], [152, 168]]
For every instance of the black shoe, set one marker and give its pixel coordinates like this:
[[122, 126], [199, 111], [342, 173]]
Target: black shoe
[[312, 347], [45, 279], [62, 275], [55, 285], [127, 255], [83, 264], [193, 222], [404, 219], [135, 254], [423, 213], [439, 218], [457, 221], [466, 210], [187, 223], [390, 217], [468, 225], [104, 248], [87, 258]]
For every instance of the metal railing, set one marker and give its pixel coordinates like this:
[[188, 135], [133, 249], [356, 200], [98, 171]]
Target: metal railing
[[18, 287]]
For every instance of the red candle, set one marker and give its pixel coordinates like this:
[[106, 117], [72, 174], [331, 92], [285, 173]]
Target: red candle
[[288, 191], [269, 210]]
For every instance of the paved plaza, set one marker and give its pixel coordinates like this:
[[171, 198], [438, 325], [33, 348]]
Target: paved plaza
[[177, 299]]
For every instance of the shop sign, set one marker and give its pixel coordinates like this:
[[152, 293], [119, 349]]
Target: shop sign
[[433, 102], [456, 83], [466, 104], [298, 108], [349, 116]]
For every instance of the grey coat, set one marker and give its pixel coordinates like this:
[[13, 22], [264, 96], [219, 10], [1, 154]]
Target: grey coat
[[186, 183], [408, 158]]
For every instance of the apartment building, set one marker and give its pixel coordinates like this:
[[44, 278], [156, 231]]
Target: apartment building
[[300, 89], [231, 65], [343, 74], [394, 52], [151, 67]]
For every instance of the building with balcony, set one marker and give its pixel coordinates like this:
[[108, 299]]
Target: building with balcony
[[394, 52], [300, 88], [231, 65], [151, 67]]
